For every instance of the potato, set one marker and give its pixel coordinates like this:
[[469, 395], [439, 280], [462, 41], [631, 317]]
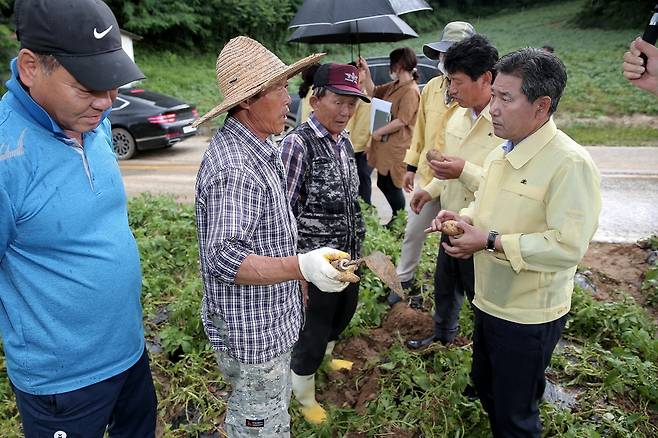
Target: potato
[[347, 273], [451, 228], [434, 154]]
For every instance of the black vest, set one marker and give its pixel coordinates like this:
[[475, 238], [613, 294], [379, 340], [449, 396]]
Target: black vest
[[327, 210]]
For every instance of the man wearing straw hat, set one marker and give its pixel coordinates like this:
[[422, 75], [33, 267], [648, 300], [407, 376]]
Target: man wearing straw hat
[[252, 307]]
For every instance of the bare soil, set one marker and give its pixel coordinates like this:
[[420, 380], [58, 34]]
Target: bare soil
[[613, 268], [618, 267]]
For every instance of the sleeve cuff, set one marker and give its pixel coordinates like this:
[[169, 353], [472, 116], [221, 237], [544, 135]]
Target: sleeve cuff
[[228, 260], [512, 248], [434, 188], [467, 212], [471, 175], [411, 157]]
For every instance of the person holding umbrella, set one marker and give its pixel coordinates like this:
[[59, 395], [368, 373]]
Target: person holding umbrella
[[428, 135], [391, 141]]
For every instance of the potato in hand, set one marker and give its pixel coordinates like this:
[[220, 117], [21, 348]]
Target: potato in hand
[[434, 154], [347, 272], [451, 228]]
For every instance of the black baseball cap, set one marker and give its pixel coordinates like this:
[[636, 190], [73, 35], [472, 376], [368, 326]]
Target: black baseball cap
[[339, 78], [83, 35]]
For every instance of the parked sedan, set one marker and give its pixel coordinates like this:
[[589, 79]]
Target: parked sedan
[[143, 120]]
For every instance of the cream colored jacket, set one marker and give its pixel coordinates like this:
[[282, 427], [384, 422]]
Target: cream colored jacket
[[471, 141], [544, 199], [429, 123]]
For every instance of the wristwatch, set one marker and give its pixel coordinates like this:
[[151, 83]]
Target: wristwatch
[[491, 241]]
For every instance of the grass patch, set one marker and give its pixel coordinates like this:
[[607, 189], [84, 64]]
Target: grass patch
[[595, 134]]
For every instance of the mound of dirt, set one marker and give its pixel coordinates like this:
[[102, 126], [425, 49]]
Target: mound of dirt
[[613, 267], [354, 389], [616, 267]]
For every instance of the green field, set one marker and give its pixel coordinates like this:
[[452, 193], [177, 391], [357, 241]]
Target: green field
[[593, 59], [610, 356]]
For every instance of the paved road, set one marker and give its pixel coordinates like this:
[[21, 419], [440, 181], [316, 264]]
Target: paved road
[[629, 185]]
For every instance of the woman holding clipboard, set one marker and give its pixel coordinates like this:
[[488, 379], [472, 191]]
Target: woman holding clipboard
[[390, 142]]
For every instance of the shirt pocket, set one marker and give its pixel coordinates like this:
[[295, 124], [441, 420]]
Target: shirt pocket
[[522, 207]]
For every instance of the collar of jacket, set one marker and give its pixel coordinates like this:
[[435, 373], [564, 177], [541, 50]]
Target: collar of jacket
[[321, 131], [531, 145]]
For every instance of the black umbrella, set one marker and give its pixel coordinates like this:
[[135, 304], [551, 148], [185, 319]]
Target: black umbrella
[[384, 29], [318, 12], [388, 28]]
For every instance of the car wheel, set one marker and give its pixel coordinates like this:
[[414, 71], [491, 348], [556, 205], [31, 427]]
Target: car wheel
[[124, 144]]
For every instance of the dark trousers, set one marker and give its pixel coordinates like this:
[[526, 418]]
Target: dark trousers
[[364, 171], [393, 194], [509, 361], [327, 315], [453, 278], [124, 404]]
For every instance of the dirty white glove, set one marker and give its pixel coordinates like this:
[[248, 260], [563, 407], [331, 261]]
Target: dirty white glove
[[316, 268]]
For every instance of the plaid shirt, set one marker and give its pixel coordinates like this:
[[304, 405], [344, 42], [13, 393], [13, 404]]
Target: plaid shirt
[[242, 209], [292, 154]]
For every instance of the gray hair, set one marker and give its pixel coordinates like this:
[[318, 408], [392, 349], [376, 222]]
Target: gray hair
[[541, 74], [47, 62], [319, 92]]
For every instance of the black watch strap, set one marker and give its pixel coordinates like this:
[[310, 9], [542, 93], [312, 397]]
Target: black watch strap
[[491, 241]]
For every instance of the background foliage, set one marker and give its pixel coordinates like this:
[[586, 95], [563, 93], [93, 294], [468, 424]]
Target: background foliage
[[615, 14], [8, 45]]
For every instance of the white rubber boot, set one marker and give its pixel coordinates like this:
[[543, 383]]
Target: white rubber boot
[[330, 348], [304, 389], [336, 364]]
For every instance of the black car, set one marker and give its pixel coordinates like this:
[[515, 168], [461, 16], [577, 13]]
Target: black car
[[143, 120], [380, 75]]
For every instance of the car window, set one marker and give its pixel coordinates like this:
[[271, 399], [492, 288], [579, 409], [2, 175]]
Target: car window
[[426, 72], [380, 74]]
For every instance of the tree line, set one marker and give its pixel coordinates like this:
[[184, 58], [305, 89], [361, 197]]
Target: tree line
[[205, 25]]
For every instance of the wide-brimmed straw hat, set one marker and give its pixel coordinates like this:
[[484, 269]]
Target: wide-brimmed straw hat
[[245, 68]]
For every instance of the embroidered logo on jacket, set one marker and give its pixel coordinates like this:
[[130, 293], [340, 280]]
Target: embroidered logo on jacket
[[6, 153]]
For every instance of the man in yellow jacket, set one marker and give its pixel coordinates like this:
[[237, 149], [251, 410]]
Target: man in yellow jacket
[[428, 134], [469, 137], [359, 130], [533, 217]]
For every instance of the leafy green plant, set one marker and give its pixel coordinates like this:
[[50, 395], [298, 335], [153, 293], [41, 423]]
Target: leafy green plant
[[650, 285]]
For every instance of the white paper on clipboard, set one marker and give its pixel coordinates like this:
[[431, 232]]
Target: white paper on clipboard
[[380, 113]]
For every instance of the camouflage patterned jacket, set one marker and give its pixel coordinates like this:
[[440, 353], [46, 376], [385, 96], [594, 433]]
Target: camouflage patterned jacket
[[327, 207]]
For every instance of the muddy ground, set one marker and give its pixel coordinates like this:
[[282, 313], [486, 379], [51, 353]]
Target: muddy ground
[[613, 267]]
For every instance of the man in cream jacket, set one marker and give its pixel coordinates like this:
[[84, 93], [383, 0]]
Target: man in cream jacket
[[529, 226]]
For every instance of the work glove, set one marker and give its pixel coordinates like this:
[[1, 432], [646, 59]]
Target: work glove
[[316, 268]]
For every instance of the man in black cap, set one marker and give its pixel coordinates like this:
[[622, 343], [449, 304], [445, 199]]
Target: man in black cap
[[323, 188], [70, 281]]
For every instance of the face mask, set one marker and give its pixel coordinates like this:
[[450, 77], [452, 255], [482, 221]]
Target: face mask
[[441, 64], [441, 67], [394, 76]]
